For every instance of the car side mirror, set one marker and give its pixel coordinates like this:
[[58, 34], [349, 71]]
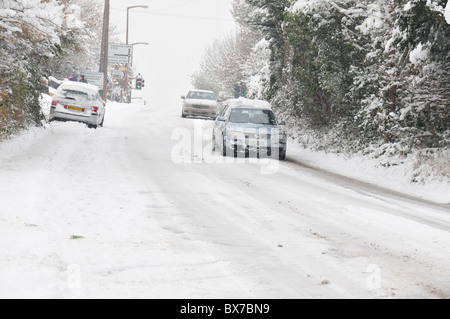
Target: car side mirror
[[221, 118], [183, 97], [282, 123]]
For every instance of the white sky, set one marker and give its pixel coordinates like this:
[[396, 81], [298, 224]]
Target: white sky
[[178, 32]]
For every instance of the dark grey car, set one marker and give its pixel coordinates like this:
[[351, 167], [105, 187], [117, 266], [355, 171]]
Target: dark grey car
[[248, 127]]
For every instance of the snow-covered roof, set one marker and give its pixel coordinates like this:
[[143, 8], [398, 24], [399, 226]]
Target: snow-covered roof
[[241, 101], [79, 86]]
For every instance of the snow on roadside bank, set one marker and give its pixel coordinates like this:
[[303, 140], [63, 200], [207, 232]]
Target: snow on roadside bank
[[421, 173], [398, 177]]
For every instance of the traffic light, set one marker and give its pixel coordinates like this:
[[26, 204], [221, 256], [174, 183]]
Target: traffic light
[[240, 90], [138, 84]]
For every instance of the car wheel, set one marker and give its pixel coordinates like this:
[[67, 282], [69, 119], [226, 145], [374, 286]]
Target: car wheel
[[103, 119], [182, 114], [282, 155], [224, 148], [213, 144]]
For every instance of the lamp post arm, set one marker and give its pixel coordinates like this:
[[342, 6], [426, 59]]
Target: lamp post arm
[[128, 15]]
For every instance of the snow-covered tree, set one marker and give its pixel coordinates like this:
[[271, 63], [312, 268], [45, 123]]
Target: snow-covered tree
[[369, 71], [81, 46], [424, 98], [222, 65], [257, 70], [405, 84]]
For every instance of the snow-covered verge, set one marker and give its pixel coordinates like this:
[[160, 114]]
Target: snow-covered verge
[[418, 175]]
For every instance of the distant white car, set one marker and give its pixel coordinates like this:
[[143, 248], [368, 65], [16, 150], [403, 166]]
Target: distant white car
[[138, 100], [200, 103], [80, 102]]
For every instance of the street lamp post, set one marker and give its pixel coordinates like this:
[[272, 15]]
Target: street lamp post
[[104, 50], [126, 75]]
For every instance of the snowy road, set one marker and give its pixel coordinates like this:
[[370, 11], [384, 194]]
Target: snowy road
[[142, 209]]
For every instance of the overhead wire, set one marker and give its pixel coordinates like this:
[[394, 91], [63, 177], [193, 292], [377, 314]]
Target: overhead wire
[[186, 17], [178, 15], [175, 6]]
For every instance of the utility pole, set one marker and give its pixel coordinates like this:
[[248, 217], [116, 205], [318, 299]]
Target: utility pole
[[104, 50]]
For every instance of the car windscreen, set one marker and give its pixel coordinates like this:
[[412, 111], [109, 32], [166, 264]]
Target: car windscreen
[[201, 95], [73, 94], [253, 116]]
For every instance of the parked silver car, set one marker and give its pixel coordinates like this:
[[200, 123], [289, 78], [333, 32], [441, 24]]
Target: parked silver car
[[200, 103], [80, 102], [249, 127]]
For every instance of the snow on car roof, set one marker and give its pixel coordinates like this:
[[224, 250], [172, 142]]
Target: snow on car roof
[[241, 101], [79, 86], [203, 91]]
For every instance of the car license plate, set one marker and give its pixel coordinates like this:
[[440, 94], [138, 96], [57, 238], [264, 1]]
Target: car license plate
[[74, 108], [258, 143]]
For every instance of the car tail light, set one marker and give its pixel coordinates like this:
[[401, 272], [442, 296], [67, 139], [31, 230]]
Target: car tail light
[[54, 102], [95, 109]]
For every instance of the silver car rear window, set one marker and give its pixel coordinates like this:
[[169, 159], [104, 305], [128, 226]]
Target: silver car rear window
[[75, 94], [201, 95]]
